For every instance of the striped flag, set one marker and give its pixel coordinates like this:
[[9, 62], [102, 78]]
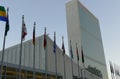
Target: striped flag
[[34, 34], [3, 16], [24, 30]]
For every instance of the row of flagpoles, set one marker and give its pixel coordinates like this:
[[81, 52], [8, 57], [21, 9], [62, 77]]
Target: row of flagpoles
[[115, 71], [4, 17]]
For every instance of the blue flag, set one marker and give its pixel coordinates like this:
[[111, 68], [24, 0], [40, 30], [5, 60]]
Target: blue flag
[[54, 44], [71, 50]]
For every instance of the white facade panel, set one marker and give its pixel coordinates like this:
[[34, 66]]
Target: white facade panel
[[83, 28], [12, 56]]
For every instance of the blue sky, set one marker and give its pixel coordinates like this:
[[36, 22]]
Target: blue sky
[[51, 14]]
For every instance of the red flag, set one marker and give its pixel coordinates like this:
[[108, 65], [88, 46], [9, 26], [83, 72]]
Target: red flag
[[45, 41], [34, 34], [24, 30], [63, 47]]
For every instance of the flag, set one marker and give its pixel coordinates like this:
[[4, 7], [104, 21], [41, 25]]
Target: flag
[[54, 44], [34, 34], [45, 41], [82, 55], [24, 30], [7, 24], [77, 52], [111, 68], [71, 50], [63, 47], [3, 16]]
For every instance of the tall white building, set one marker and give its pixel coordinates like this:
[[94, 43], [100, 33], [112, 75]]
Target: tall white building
[[83, 28]]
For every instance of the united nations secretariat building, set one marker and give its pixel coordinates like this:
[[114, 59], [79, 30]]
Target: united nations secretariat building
[[83, 28]]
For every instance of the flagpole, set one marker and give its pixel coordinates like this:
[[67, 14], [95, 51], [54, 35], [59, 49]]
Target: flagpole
[[55, 54], [81, 73], [19, 75], [64, 67], [45, 49], [5, 71], [34, 52], [34, 63], [45, 64], [84, 71], [64, 57], [22, 37], [78, 61], [56, 64], [78, 69], [72, 66], [3, 51], [71, 58]]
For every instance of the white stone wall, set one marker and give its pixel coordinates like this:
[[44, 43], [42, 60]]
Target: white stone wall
[[83, 28], [12, 57]]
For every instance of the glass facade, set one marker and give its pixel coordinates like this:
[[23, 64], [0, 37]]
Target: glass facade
[[12, 73]]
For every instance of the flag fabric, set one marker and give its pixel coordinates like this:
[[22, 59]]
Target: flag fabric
[[34, 34], [54, 44], [111, 68], [7, 24], [45, 41], [82, 55], [63, 47], [24, 30], [71, 50], [77, 52], [3, 16]]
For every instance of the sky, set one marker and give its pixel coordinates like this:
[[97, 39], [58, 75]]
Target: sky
[[52, 14]]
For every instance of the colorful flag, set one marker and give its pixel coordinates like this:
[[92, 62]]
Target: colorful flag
[[82, 55], [45, 41], [34, 34], [54, 44], [63, 47], [77, 52], [7, 24], [3, 16], [24, 30], [71, 50]]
